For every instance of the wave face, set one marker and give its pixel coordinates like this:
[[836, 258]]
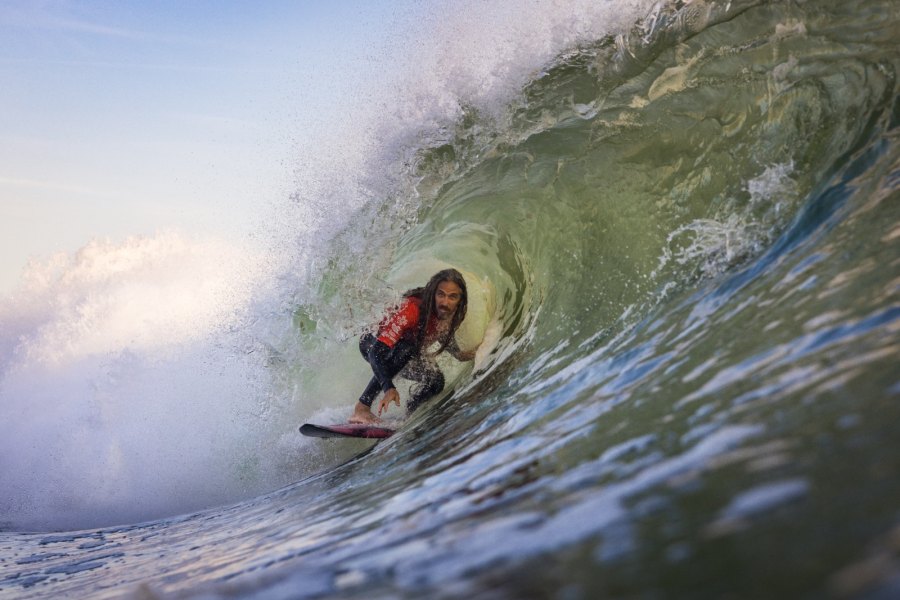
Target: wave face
[[681, 241]]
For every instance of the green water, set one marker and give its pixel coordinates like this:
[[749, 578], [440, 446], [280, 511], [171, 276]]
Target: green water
[[682, 249], [694, 262]]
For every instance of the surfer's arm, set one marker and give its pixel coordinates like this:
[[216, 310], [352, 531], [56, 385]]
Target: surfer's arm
[[378, 359], [390, 333], [465, 356], [461, 355]]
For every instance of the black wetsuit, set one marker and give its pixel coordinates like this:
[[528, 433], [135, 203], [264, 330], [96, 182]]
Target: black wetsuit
[[403, 359], [393, 352]]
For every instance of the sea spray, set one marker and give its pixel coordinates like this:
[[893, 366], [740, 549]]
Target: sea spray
[[127, 384]]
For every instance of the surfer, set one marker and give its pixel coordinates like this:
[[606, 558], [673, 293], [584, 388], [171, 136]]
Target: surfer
[[426, 316]]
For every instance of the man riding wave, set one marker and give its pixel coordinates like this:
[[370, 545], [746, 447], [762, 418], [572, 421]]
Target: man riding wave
[[426, 316]]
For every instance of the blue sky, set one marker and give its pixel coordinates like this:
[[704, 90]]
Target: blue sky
[[126, 117]]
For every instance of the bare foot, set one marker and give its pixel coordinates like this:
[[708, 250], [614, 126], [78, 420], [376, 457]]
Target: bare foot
[[362, 414]]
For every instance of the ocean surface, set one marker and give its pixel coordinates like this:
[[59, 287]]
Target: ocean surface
[[680, 227]]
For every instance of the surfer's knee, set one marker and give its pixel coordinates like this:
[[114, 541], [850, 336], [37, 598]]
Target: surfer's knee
[[431, 385], [435, 383], [376, 352], [402, 352], [366, 341]]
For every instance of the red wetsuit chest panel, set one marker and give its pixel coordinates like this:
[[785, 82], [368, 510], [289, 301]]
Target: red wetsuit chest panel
[[404, 322]]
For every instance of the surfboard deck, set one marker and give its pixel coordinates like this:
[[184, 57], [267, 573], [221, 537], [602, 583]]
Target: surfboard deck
[[345, 430]]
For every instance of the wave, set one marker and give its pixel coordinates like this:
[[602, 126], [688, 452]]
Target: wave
[[679, 234]]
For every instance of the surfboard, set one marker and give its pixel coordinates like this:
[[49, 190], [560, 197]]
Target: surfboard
[[345, 430]]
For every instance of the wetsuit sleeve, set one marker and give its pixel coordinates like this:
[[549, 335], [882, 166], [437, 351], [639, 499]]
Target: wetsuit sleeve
[[378, 359], [399, 323], [457, 353]]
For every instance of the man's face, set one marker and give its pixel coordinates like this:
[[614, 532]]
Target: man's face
[[446, 299]]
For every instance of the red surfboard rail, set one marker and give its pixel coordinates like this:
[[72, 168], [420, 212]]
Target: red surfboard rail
[[357, 430]]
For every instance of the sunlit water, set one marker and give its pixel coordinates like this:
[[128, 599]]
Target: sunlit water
[[681, 242]]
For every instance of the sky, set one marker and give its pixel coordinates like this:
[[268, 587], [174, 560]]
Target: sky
[[123, 118]]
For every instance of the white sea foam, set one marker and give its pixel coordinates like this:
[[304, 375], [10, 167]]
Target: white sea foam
[[717, 244]]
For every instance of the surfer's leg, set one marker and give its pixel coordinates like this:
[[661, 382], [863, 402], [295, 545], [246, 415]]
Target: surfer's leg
[[430, 382], [389, 361], [372, 389]]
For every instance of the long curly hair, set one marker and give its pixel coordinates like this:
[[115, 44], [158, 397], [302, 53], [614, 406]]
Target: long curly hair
[[426, 294]]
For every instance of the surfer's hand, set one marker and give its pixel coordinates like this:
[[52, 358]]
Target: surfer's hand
[[392, 395], [466, 356]]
